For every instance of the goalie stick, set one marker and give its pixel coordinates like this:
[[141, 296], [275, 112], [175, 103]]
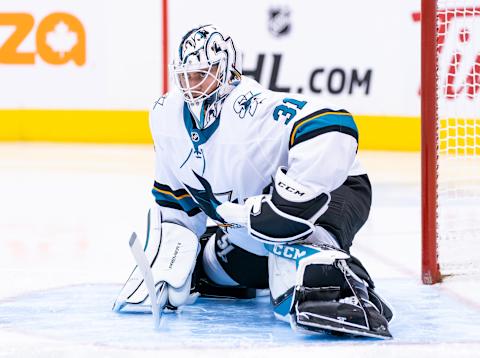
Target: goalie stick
[[144, 267]]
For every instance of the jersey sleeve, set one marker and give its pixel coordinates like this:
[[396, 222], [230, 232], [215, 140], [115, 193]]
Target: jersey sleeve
[[177, 206], [322, 149]]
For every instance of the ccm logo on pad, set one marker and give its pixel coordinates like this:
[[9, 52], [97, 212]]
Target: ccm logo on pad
[[290, 189], [290, 252]]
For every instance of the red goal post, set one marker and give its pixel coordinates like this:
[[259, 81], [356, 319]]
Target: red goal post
[[450, 160]]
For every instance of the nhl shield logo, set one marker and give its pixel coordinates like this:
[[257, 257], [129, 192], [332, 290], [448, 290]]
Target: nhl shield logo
[[279, 23]]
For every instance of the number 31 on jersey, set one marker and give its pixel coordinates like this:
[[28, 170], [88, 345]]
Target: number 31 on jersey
[[288, 110]]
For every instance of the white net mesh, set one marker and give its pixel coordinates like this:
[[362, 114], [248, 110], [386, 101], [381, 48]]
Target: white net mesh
[[458, 24]]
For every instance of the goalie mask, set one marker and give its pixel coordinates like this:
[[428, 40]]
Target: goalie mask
[[205, 69]]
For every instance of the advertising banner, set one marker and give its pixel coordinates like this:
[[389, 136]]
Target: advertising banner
[[364, 56], [79, 54], [112, 55]]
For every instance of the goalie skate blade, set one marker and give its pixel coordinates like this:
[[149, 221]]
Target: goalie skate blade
[[320, 324]]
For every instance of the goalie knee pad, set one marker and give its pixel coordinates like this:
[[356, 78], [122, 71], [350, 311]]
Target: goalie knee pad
[[226, 270], [243, 267], [211, 262]]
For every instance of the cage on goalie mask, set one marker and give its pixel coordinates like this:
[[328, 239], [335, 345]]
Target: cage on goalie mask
[[206, 64]]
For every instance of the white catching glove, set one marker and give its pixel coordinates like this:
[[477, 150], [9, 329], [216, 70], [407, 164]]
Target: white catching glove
[[171, 250]]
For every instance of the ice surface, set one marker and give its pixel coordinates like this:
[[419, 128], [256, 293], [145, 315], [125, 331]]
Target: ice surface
[[81, 314], [67, 211]]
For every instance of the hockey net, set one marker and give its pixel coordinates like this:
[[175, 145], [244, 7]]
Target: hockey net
[[450, 139]]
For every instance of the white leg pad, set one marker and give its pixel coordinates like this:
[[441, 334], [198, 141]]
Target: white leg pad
[[287, 264], [281, 275], [171, 251]]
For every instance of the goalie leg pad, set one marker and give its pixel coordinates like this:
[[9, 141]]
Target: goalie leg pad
[[288, 269], [319, 292], [171, 251], [134, 293], [349, 312]]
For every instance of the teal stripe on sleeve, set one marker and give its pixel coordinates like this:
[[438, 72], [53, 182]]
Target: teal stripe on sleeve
[[176, 199], [323, 121]]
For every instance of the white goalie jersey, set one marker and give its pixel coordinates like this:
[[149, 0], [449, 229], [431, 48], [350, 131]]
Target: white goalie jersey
[[238, 155]]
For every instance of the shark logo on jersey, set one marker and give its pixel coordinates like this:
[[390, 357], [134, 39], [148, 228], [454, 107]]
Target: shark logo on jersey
[[206, 199], [247, 103]]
